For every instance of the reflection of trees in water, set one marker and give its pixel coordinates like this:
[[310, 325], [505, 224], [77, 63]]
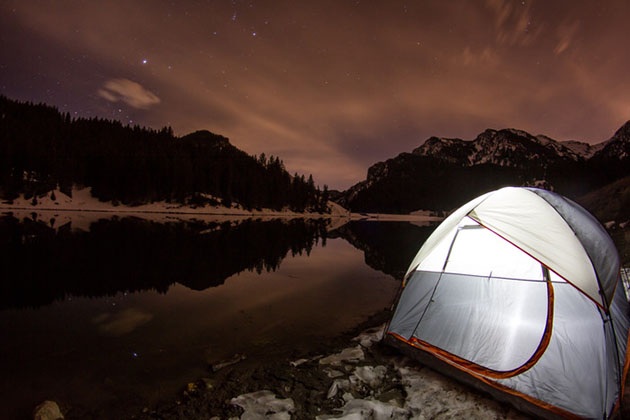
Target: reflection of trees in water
[[388, 246], [40, 264]]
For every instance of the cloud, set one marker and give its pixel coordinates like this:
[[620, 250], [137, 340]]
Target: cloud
[[513, 22], [332, 87], [486, 57], [565, 33], [129, 92], [123, 322]]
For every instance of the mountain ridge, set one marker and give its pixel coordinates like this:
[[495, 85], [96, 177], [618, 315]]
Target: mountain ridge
[[442, 172]]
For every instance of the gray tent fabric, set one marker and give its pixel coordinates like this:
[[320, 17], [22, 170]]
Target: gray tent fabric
[[597, 243], [519, 290]]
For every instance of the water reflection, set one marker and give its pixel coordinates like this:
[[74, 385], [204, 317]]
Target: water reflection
[[123, 315], [388, 246], [41, 264]]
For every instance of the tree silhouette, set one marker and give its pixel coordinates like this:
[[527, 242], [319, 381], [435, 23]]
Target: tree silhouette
[[42, 149]]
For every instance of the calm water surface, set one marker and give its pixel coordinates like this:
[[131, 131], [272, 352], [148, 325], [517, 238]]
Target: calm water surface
[[118, 317]]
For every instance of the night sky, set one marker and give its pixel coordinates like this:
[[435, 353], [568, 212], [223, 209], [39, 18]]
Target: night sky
[[330, 87]]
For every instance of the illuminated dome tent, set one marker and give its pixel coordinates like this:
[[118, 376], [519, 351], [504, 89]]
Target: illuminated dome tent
[[518, 293]]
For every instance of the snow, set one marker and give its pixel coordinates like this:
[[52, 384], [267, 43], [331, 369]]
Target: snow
[[399, 388], [583, 149], [360, 409], [371, 375], [264, 405], [82, 209], [82, 200], [370, 336], [353, 354]]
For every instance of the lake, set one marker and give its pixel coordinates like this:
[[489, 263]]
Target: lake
[[114, 315]]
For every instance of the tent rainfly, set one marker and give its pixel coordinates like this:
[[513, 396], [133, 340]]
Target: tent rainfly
[[518, 293]]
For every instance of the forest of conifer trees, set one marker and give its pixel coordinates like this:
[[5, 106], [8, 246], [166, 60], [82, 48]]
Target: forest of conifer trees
[[42, 149]]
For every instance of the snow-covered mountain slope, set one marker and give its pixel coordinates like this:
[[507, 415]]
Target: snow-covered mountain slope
[[443, 172], [507, 147]]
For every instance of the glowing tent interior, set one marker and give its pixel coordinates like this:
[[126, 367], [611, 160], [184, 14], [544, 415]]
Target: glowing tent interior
[[518, 293]]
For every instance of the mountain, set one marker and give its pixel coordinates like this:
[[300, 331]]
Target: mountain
[[617, 149], [583, 149], [610, 202], [42, 150], [443, 173], [507, 147]]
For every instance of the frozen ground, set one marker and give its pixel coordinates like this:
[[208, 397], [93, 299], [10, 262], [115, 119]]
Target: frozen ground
[[397, 389], [361, 379], [365, 380]]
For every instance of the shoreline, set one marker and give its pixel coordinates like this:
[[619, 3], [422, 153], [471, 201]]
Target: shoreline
[[221, 211], [82, 202], [354, 375], [209, 214]]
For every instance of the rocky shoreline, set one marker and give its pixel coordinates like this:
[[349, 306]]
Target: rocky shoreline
[[354, 376]]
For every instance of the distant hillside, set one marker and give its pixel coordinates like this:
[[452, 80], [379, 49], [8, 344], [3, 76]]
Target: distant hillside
[[42, 150], [609, 203], [443, 173]]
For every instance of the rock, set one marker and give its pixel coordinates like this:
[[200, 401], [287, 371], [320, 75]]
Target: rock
[[209, 383], [333, 373], [338, 384], [48, 410], [298, 362], [370, 336], [332, 391], [350, 355], [232, 361]]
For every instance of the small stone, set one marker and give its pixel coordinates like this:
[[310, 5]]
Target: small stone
[[208, 382], [191, 387], [229, 362], [332, 391], [48, 410], [332, 373]]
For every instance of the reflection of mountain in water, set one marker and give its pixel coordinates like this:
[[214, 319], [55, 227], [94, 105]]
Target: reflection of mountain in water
[[389, 246], [41, 264]]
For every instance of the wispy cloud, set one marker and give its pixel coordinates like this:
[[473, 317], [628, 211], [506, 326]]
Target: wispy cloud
[[129, 92], [566, 33], [513, 22]]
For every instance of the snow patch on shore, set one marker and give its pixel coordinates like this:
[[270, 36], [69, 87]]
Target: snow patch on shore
[[264, 405], [81, 205], [395, 388]]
